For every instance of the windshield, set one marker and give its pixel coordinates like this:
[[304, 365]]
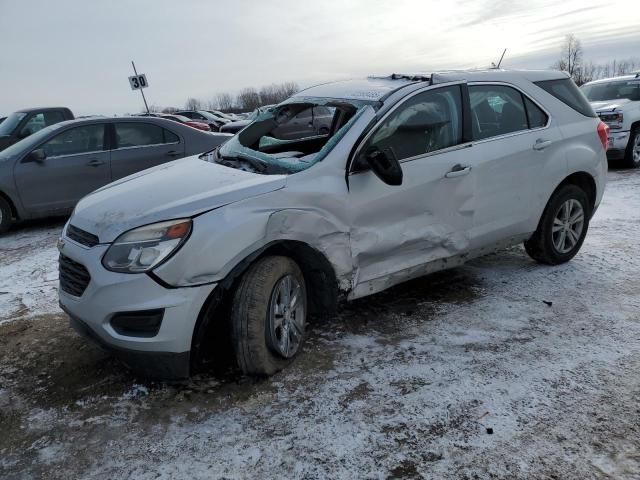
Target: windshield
[[28, 143], [613, 90], [290, 137], [11, 122]]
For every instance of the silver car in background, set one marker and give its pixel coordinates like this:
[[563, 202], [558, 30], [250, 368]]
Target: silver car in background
[[47, 173]]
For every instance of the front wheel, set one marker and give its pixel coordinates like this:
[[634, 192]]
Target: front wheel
[[6, 215], [268, 316], [562, 228]]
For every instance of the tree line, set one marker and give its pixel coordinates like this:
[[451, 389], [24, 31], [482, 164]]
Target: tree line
[[572, 61], [248, 99]]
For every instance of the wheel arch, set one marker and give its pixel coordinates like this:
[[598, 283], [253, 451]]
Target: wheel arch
[[586, 182], [319, 275]]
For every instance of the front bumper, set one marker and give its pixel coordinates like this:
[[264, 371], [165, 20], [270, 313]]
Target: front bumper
[[109, 293]]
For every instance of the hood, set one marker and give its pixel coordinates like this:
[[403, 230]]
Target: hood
[[182, 188], [609, 105]]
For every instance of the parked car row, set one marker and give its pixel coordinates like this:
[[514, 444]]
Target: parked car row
[[46, 173], [180, 119]]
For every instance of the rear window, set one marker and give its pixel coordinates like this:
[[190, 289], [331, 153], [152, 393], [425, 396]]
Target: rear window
[[568, 93]]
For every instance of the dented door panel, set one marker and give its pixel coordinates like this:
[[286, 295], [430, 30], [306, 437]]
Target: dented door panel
[[427, 218]]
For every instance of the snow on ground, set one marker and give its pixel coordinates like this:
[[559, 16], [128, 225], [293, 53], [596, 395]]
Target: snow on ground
[[29, 271], [500, 369]]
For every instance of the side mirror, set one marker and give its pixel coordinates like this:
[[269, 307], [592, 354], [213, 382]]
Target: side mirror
[[386, 167], [37, 156]]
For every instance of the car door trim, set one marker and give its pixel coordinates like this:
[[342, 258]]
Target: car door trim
[[133, 147]]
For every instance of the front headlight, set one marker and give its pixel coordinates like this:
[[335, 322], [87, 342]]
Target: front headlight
[[141, 249], [614, 120]]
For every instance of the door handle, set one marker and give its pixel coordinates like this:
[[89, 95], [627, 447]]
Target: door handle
[[173, 153], [458, 171], [94, 162], [541, 144]]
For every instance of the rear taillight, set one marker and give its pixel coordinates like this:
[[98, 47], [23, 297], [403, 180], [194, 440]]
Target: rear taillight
[[603, 133]]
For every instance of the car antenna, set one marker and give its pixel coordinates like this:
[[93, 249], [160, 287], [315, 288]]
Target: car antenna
[[493, 65]]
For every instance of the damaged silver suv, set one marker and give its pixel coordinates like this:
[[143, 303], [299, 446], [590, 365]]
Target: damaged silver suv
[[416, 173]]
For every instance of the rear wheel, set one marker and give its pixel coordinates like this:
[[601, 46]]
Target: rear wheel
[[6, 215], [562, 228], [268, 316], [632, 154]]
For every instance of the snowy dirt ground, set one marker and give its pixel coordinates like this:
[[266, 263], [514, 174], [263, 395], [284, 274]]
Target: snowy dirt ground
[[499, 369]]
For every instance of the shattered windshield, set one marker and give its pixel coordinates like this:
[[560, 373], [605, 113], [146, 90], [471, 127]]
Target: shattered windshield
[[289, 137], [613, 90]]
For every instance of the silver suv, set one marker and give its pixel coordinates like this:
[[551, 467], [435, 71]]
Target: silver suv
[[617, 103], [417, 173]]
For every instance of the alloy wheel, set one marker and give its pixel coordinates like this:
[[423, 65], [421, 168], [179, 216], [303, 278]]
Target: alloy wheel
[[286, 316], [567, 226]]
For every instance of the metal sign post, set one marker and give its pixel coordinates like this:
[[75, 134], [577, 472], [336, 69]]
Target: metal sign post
[[139, 82]]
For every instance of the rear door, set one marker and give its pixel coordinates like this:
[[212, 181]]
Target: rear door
[[513, 142], [76, 163], [141, 145]]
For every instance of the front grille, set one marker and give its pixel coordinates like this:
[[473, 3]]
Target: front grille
[[74, 278], [84, 238]]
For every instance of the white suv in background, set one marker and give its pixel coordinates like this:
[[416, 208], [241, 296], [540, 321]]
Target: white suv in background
[[417, 173], [617, 102]]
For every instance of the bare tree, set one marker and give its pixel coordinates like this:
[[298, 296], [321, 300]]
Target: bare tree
[[224, 101], [155, 108], [169, 110], [248, 99], [269, 94], [193, 104], [289, 88], [570, 59]]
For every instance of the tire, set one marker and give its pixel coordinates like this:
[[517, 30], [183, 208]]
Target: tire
[[632, 154], [6, 215], [543, 244], [254, 315]]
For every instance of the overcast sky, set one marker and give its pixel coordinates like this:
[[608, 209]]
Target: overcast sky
[[77, 53]]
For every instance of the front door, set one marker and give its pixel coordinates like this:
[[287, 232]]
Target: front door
[[76, 164], [142, 145], [397, 231]]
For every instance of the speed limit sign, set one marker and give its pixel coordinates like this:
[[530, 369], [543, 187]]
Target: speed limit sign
[[138, 81]]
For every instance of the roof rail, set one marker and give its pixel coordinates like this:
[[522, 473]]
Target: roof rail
[[420, 77]]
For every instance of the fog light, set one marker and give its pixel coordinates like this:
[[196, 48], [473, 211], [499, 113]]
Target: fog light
[[144, 323]]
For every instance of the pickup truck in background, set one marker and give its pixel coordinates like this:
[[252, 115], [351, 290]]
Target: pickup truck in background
[[617, 103], [25, 122]]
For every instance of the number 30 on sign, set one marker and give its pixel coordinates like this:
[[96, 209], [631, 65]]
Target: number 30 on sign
[[138, 81]]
